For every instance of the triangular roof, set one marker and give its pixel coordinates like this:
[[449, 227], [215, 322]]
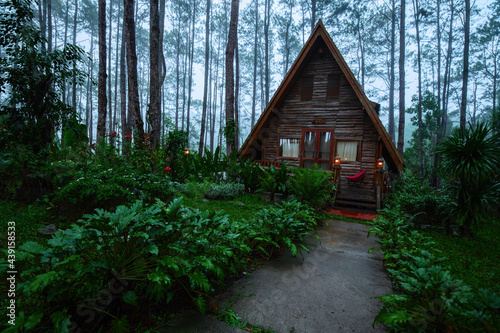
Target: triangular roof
[[292, 75]]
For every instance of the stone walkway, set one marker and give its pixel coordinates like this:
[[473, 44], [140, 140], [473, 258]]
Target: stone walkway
[[330, 289]]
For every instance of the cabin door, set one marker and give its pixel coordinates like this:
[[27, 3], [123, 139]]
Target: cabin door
[[317, 148]]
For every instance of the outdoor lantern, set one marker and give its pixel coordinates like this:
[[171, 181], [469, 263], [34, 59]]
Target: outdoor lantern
[[186, 152], [337, 160], [380, 163]]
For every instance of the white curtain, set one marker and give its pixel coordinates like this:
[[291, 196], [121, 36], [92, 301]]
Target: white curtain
[[347, 150], [289, 147], [324, 145]]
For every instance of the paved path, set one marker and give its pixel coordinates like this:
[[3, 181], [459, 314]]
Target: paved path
[[328, 290]]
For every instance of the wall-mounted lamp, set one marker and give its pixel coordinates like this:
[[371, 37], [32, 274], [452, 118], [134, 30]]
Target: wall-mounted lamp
[[336, 161], [186, 152], [380, 163]]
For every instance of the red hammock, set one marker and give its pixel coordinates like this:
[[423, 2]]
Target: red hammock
[[356, 178]]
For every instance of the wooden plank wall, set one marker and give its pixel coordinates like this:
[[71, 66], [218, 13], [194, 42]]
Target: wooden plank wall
[[345, 115]]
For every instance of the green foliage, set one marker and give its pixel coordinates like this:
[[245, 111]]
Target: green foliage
[[195, 189], [111, 263], [33, 79], [429, 298], [95, 187], [470, 161], [229, 131], [175, 144], [240, 208], [277, 227], [311, 186], [274, 179], [250, 175], [22, 173], [28, 218], [233, 319], [473, 261], [424, 204], [225, 191], [431, 126]]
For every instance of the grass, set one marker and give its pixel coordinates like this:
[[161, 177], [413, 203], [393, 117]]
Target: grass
[[476, 262], [28, 219], [242, 207]]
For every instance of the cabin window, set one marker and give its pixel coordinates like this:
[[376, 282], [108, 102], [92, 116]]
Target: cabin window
[[333, 87], [307, 88], [348, 150], [289, 148], [317, 148]]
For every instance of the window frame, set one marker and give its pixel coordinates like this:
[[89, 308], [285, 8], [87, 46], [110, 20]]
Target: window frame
[[358, 159], [307, 96], [316, 159], [333, 87], [278, 151]]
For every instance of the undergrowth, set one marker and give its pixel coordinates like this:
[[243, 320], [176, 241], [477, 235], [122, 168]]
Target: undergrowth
[[104, 269]]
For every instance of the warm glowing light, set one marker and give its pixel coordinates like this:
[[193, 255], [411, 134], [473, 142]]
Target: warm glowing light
[[380, 163], [337, 160], [186, 152]]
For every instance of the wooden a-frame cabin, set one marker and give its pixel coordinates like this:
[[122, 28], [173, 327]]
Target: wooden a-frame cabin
[[318, 112]]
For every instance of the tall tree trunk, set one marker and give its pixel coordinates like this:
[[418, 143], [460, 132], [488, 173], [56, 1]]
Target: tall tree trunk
[[133, 87], [237, 96], [154, 79], [163, 68], [214, 107], [110, 120], [232, 39], [416, 11], [267, 18], [465, 77], [177, 72], [88, 106], [436, 181], [205, 79], [402, 48], [42, 15], [495, 79], [117, 62], [191, 61], [361, 48], [447, 73], [255, 48], [49, 25], [392, 75], [66, 20], [75, 21], [438, 38], [287, 38], [313, 14], [101, 96], [125, 120]]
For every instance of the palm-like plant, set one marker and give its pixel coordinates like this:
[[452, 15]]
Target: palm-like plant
[[471, 160]]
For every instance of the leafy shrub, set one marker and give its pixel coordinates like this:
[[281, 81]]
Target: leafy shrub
[[250, 175], [109, 188], [112, 264], [423, 203], [224, 191], [193, 188], [471, 160], [429, 298], [276, 228], [311, 186]]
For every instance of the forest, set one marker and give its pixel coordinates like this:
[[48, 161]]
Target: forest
[[122, 198], [170, 71]]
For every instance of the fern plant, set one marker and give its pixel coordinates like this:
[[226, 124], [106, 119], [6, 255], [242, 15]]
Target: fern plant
[[311, 186]]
